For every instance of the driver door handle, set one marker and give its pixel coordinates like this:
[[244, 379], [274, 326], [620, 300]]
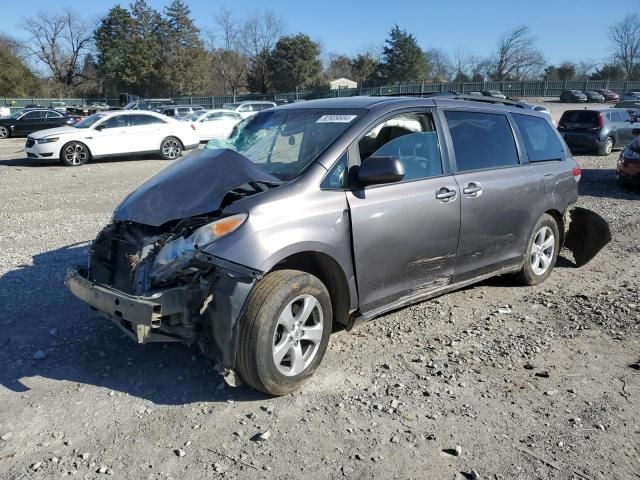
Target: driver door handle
[[445, 194], [472, 189]]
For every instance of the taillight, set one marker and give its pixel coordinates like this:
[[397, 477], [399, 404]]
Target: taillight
[[576, 172], [600, 120]]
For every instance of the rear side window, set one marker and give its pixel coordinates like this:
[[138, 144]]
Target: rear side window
[[624, 116], [184, 111], [615, 117], [540, 140], [139, 120], [481, 140]]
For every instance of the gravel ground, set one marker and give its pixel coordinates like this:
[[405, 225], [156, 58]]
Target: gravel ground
[[493, 381]]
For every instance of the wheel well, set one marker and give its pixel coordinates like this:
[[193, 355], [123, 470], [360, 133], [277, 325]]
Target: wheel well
[[329, 272], [174, 137], [559, 218]]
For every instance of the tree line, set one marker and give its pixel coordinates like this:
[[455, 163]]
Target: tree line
[[154, 53]]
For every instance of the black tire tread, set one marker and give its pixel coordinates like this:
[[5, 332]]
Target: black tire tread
[[254, 321]]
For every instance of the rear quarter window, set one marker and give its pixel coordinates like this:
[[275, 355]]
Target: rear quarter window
[[481, 140], [539, 138]]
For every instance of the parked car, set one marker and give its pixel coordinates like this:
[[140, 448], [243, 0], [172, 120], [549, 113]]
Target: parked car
[[116, 133], [27, 121], [631, 95], [474, 93], [609, 95], [59, 107], [544, 110], [594, 97], [631, 106], [150, 104], [333, 212], [601, 130], [213, 123], [494, 94], [628, 167], [181, 111], [248, 108], [573, 96]]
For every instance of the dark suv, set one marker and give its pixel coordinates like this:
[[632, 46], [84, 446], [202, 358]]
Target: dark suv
[[601, 130], [333, 212]]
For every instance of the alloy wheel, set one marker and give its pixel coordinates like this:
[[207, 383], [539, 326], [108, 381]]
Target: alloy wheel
[[171, 149], [298, 335], [4, 132], [76, 154], [542, 250], [608, 145]]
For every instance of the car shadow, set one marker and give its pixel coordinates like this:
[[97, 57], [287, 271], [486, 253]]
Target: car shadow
[[46, 332]]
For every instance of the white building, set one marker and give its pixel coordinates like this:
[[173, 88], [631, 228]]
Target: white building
[[342, 83]]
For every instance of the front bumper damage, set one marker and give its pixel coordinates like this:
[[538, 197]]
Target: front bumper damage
[[206, 313]]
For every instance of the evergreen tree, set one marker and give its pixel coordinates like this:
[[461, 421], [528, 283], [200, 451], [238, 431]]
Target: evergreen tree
[[185, 61], [116, 55], [402, 59], [258, 77], [295, 63], [148, 40], [363, 68]]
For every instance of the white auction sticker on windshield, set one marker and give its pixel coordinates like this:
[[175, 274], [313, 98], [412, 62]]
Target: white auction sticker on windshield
[[336, 118]]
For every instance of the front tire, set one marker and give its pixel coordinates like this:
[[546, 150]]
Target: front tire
[[171, 148], [542, 252], [74, 154], [284, 331], [4, 132]]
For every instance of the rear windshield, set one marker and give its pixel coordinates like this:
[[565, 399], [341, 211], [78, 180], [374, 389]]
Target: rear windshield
[[580, 116]]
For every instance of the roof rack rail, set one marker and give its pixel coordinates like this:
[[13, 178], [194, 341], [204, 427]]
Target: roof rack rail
[[459, 96]]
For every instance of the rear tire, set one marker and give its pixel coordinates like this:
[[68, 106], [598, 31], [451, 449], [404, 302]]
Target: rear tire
[[284, 331], [541, 253], [4, 132], [74, 154], [606, 148], [171, 148]]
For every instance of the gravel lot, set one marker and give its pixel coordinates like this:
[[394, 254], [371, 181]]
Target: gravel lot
[[493, 381]]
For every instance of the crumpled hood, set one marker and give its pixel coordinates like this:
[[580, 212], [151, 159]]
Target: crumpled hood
[[192, 186]]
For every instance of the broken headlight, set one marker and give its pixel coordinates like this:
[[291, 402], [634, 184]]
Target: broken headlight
[[176, 255]]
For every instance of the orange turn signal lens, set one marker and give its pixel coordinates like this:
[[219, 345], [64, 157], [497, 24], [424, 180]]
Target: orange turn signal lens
[[227, 225]]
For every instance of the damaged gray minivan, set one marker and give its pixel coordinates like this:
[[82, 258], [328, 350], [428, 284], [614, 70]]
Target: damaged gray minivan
[[328, 213]]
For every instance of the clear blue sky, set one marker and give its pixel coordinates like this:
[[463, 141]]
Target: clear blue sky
[[575, 30]]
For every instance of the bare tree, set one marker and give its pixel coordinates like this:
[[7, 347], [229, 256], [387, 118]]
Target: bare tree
[[440, 64], [259, 36], [625, 36], [60, 42], [228, 59], [517, 57]]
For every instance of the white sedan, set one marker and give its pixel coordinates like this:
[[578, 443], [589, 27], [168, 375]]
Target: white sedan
[[210, 124], [106, 134]]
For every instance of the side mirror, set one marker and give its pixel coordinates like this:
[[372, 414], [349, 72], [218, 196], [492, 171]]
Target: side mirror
[[635, 132], [378, 170], [99, 127]]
